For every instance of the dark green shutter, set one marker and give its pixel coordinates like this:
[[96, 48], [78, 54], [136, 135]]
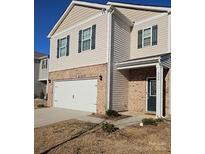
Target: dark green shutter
[[79, 41], [68, 45], [93, 37], [154, 35], [58, 48], [46, 63], [139, 39]]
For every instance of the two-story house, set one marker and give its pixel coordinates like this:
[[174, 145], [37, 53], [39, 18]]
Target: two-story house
[[40, 74], [114, 56]]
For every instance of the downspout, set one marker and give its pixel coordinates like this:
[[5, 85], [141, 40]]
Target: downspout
[[109, 54]]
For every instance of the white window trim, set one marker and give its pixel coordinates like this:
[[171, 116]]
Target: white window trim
[[146, 37], [86, 39], [43, 65], [150, 87], [63, 47]]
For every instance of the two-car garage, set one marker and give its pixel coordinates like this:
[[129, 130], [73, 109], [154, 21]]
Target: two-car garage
[[75, 94]]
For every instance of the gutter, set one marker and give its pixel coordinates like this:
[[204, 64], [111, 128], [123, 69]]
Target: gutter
[[142, 7], [109, 51]]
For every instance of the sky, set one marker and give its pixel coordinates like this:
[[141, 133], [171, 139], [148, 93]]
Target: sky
[[47, 13]]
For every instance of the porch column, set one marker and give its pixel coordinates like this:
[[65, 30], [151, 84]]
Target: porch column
[[159, 90]]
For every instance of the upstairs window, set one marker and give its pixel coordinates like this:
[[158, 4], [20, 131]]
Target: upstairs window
[[63, 46], [147, 37], [86, 40], [44, 64]]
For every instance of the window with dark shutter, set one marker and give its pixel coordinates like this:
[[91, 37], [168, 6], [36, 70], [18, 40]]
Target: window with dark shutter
[[139, 39], [58, 48], [68, 45], [62, 47], [93, 37], [154, 34], [79, 41]]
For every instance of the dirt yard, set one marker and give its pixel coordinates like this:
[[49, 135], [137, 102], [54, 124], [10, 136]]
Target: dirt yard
[[53, 139]]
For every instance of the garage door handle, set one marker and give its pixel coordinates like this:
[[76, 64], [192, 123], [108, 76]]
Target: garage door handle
[[73, 96], [56, 100]]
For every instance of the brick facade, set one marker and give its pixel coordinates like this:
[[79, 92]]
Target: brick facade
[[137, 86], [80, 73], [137, 82]]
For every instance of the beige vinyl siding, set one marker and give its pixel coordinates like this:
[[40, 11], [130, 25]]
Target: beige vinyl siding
[[85, 58], [43, 73], [121, 47], [162, 43], [38, 86], [136, 15], [77, 13]]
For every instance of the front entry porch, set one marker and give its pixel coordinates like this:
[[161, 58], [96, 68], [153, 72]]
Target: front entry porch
[[148, 85]]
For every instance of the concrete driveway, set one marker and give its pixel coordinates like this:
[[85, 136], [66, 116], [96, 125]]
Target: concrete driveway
[[46, 116]]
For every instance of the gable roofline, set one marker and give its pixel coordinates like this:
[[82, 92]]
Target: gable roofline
[[39, 55], [143, 7], [69, 8]]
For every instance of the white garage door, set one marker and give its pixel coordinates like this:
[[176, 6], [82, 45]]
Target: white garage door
[[76, 95]]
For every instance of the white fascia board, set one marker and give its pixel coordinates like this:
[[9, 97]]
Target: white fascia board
[[151, 8], [69, 9], [136, 66], [140, 60]]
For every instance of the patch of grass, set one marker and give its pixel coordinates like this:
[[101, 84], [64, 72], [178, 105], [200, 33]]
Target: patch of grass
[[109, 128], [149, 121], [112, 113]]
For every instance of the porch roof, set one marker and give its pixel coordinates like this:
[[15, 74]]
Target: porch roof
[[164, 59]]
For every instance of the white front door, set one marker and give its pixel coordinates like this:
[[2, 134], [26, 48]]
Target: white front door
[[76, 95]]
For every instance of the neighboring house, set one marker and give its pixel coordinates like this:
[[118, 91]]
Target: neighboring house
[[40, 74], [114, 56]]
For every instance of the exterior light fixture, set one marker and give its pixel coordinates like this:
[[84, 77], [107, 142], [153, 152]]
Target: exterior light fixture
[[100, 77]]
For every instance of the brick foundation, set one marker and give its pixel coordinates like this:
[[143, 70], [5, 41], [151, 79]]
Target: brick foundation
[[80, 73]]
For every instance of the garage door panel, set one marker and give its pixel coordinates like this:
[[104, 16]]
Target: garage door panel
[[77, 95], [62, 95]]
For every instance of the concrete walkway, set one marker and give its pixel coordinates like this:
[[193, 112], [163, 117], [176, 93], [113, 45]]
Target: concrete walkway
[[136, 119], [46, 116]]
